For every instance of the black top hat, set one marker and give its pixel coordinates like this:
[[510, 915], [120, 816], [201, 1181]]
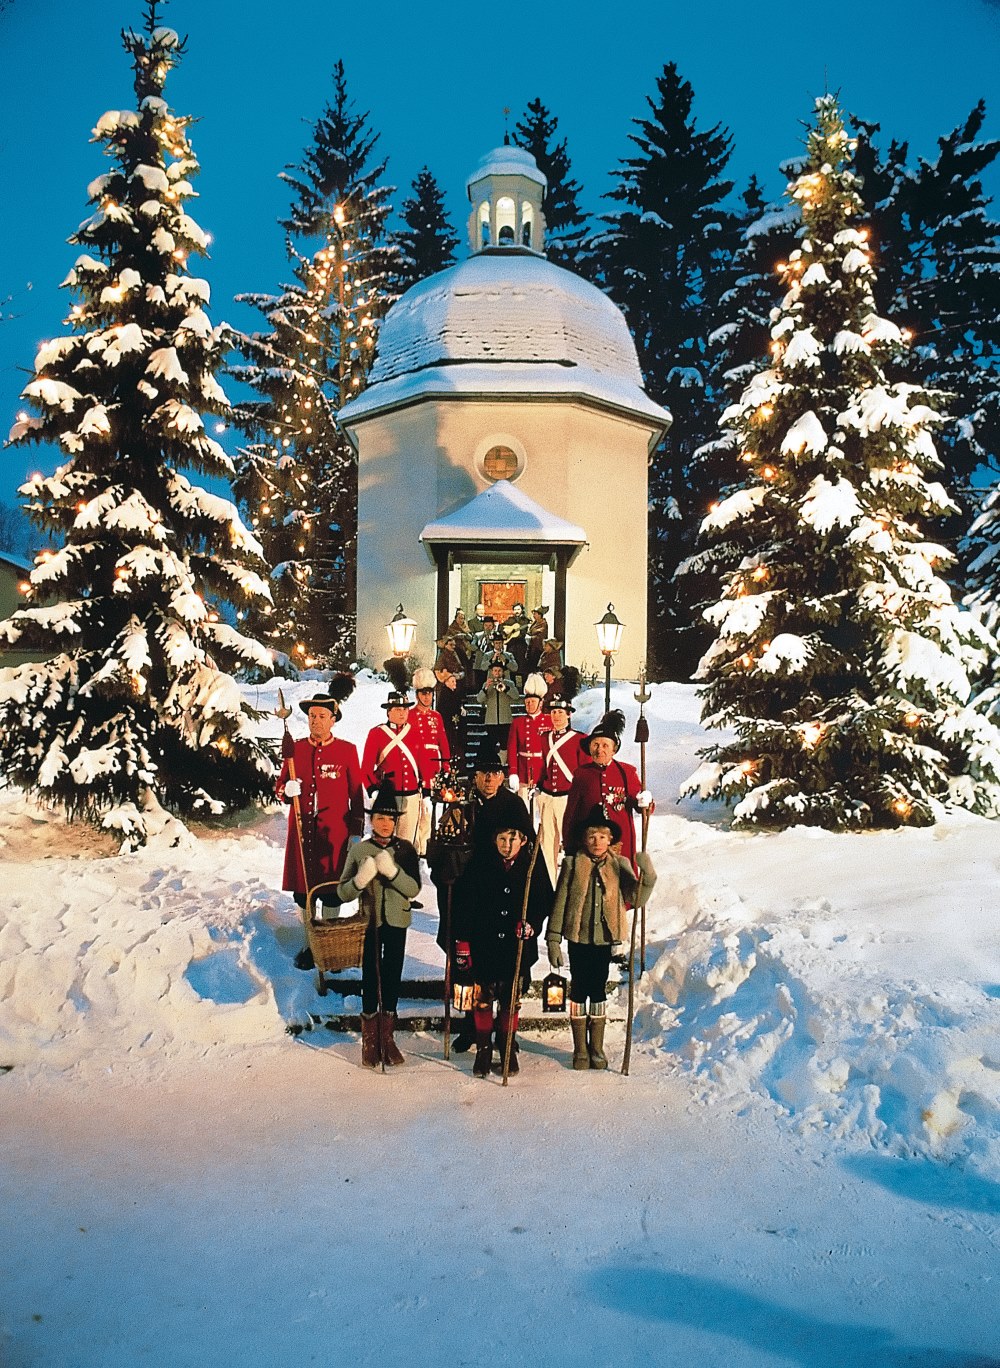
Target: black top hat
[[400, 699], [487, 759], [385, 802], [597, 817], [340, 688], [612, 725]]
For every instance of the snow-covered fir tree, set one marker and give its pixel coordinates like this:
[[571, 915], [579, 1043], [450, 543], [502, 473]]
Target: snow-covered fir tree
[[130, 710], [565, 221], [841, 664], [298, 476], [662, 257], [427, 240]]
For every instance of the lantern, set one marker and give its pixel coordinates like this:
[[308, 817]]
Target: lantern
[[462, 995], [555, 990], [400, 632], [609, 637]]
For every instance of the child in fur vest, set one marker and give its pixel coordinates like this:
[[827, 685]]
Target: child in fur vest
[[590, 912]]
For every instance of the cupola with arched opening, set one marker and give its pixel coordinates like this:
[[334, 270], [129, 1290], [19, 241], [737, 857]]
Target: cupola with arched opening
[[506, 191]]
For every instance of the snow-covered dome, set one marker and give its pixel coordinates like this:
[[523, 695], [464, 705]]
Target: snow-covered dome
[[507, 308], [506, 161]]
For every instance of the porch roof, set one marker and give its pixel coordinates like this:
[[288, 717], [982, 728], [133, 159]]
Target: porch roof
[[503, 514]]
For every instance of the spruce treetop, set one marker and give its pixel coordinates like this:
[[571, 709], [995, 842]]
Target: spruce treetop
[[841, 662]]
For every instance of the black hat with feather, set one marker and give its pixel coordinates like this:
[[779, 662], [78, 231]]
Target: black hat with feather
[[611, 725], [339, 689]]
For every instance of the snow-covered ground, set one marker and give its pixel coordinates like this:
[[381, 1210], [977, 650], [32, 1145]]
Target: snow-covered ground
[[802, 1167]]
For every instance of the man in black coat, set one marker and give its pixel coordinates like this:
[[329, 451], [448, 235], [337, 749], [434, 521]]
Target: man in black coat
[[490, 919], [490, 808]]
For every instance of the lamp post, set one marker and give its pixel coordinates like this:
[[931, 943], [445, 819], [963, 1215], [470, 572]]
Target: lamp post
[[400, 633], [609, 636]]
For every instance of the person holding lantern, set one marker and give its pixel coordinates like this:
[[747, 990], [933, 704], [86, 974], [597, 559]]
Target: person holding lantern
[[590, 912], [320, 779], [491, 808], [383, 873], [490, 919], [606, 782]]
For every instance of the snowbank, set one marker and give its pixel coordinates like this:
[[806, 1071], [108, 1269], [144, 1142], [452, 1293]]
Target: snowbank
[[848, 984]]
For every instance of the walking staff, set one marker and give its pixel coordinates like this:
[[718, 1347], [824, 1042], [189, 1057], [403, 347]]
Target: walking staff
[[288, 756], [639, 911], [515, 987]]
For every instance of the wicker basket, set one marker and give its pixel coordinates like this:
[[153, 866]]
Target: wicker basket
[[338, 944]]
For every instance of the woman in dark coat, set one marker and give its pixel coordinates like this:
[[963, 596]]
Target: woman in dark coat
[[488, 903]]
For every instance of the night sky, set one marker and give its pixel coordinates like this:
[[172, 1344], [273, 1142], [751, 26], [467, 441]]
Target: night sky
[[436, 79]]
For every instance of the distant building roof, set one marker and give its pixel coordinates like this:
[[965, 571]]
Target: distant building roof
[[18, 562], [503, 513]]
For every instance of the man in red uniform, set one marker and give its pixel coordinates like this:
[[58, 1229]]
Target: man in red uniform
[[393, 751], [432, 738], [327, 784], [561, 757], [605, 782], [526, 738]]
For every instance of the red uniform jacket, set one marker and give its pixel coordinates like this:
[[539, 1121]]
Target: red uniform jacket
[[615, 786], [561, 759], [396, 755], [332, 808], [432, 738], [526, 745]]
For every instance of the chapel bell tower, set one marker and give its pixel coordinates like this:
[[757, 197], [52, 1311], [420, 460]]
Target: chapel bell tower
[[506, 191]]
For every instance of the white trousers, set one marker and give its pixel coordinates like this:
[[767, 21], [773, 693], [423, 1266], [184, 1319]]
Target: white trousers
[[550, 819]]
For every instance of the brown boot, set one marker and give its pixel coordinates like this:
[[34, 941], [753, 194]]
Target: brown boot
[[595, 1036], [369, 1040], [390, 1050], [578, 1025], [484, 1054]]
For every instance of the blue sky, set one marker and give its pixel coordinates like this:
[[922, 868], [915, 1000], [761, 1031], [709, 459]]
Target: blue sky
[[436, 79]]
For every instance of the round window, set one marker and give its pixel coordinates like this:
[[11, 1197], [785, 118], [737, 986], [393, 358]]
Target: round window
[[500, 463]]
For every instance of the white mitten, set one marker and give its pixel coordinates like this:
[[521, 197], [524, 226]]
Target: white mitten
[[644, 798], [386, 865], [293, 788], [513, 783], [367, 870]]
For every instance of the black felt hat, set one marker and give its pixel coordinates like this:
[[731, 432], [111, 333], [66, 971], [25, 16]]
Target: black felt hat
[[399, 699], [559, 701], [597, 817], [487, 759], [386, 800]]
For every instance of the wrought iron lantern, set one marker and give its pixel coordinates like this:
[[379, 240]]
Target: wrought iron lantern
[[400, 633], [609, 638]]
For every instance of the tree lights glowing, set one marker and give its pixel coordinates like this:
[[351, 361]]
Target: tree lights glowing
[[841, 663]]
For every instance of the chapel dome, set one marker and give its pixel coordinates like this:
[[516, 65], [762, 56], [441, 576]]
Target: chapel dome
[[511, 309]]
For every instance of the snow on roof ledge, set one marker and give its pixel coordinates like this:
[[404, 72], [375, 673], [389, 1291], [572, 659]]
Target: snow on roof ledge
[[527, 379], [503, 513]]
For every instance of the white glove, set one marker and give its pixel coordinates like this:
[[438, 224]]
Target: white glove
[[293, 788], [555, 953], [367, 870], [386, 865], [644, 798], [513, 783]]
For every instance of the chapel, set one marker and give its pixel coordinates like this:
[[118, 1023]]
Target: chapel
[[503, 441]]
